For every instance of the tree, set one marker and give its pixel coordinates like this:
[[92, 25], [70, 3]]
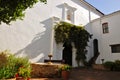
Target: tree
[[11, 10]]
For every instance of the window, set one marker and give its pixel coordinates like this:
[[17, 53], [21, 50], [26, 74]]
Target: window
[[115, 48], [105, 28]]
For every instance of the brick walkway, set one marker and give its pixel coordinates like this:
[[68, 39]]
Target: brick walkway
[[88, 74]]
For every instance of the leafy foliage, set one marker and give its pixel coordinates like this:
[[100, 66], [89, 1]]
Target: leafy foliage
[[112, 65], [117, 65], [3, 59], [12, 65], [24, 72], [66, 32], [65, 67], [12, 10], [109, 64]]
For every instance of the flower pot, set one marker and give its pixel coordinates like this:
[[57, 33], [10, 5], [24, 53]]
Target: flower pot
[[20, 78], [65, 75]]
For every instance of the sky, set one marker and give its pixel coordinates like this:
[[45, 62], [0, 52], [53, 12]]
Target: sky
[[105, 6]]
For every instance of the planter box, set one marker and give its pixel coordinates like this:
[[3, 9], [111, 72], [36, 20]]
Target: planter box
[[99, 67], [44, 70]]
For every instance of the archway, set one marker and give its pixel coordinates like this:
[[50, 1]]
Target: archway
[[95, 45], [67, 53], [96, 52]]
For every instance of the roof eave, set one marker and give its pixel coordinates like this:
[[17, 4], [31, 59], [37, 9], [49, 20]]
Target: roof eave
[[92, 6]]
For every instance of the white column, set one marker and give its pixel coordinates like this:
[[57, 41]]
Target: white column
[[54, 20], [52, 37]]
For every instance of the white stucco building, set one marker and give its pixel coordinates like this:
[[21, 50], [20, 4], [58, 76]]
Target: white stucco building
[[33, 36], [106, 31]]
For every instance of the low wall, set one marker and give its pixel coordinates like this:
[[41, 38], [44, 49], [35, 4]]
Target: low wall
[[99, 67], [45, 70]]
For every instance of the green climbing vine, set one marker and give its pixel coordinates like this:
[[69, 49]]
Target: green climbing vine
[[66, 32]]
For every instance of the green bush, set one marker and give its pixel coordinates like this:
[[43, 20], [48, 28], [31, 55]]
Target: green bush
[[8, 69], [109, 65], [117, 65], [24, 72], [112, 65], [24, 68], [12, 65], [3, 59], [7, 72], [65, 67]]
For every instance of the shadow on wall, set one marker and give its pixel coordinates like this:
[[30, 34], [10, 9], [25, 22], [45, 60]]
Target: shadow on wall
[[39, 47], [89, 48]]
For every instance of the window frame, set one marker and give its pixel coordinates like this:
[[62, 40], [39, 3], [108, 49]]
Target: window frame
[[115, 48], [105, 28]]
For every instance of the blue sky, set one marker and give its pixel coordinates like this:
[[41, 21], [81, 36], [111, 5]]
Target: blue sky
[[105, 6]]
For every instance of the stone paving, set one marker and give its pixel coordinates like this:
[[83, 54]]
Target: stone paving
[[88, 74]]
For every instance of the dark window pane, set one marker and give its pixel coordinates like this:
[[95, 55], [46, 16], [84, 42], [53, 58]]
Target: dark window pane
[[115, 48]]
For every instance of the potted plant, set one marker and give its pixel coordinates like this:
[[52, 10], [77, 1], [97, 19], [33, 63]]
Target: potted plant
[[65, 71], [23, 73], [18, 77]]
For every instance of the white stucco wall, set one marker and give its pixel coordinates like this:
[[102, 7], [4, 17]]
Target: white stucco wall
[[111, 38], [31, 36]]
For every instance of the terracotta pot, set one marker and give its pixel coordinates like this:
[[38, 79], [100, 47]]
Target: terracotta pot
[[20, 78], [65, 75]]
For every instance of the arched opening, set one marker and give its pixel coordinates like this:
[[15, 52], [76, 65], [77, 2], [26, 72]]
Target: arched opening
[[95, 45], [96, 52], [67, 53]]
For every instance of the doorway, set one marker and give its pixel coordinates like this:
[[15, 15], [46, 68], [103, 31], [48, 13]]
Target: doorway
[[95, 45], [67, 53]]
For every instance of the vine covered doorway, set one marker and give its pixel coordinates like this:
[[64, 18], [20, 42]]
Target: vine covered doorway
[[70, 33], [67, 53]]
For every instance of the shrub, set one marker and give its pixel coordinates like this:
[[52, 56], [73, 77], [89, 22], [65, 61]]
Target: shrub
[[117, 65], [113, 65], [24, 72], [3, 59], [7, 69], [24, 68], [109, 65], [12, 65], [65, 67]]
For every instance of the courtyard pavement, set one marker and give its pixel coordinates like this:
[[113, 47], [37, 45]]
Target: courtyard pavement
[[88, 74]]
